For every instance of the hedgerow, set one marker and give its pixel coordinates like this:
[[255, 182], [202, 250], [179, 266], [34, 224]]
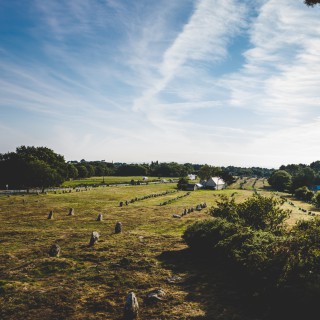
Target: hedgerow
[[252, 237]]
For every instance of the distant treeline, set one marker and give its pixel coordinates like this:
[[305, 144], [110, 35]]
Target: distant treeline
[[30, 167], [293, 176], [85, 169]]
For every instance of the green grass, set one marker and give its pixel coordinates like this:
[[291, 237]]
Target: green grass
[[108, 180], [92, 282]]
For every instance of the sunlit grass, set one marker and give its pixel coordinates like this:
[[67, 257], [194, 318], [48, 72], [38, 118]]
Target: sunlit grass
[[92, 282]]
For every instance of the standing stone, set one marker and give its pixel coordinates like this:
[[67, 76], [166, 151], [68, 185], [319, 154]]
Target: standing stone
[[54, 250], [131, 307], [118, 227], [121, 204], [156, 295], [94, 238], [71, 212], [100, 217], [50, 216]]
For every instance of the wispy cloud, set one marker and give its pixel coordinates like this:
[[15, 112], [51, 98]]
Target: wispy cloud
[[203, 81], [281, 74], [204, 38]]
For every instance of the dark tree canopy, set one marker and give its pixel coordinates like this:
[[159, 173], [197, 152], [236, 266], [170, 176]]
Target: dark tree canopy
[[311, 2], [31, 167], [280, 180]]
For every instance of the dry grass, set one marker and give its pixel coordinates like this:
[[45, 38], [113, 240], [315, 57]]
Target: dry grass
[[92, 282]]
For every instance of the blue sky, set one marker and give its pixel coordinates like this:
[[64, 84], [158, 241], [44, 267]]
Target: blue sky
[[233, 82]]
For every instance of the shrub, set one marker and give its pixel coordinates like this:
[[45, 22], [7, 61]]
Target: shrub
[[182, 184], [304, 248], [257, 212], [255, 252], [316, 200], [205, 235], [304, 194]]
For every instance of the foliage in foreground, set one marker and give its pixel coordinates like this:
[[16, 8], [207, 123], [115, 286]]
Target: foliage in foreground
[[257, 212], [253, 240]]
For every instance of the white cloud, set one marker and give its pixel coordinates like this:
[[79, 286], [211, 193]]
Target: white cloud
[[281, 74], [203, 38], [142, 81]]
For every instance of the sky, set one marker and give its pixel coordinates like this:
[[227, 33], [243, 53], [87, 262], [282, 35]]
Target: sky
[[233, 82]]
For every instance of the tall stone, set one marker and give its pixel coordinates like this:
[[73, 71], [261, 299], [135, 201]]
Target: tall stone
[[55, 250], [50, 216], [71, 212], [118, 227], [94, 238], [100, 217], [131, 307]]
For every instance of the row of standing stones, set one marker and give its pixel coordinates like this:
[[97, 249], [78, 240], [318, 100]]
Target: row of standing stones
[[131, 307], [55, 248], [198, 207], [71, 213], [153, 195]]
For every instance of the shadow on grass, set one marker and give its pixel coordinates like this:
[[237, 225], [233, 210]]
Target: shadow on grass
[[226, 293]]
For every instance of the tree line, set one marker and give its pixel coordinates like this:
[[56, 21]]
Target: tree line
[[293, 176], [33, 167]]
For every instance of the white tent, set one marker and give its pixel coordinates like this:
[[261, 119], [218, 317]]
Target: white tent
[[215, 183]]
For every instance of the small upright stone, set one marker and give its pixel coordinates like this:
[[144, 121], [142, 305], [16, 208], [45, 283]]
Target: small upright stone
[[100, 217], [121, 204], [131, 307], [50, 216], [71, 212], [54, 251], [118, 227], [156, 295], [94, 238]]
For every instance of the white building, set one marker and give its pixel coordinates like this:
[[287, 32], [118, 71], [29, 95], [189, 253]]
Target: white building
[[215, 183]]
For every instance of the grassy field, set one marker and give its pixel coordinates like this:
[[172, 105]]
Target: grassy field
[[92, 282], [109, 180]]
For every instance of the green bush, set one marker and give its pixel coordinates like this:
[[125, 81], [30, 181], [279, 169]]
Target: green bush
[[316, 200], [258, 253], [304, 248], [257, 212], [205, 235], [250, 235], [303, 194]]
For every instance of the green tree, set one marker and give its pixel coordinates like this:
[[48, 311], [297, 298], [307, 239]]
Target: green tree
[[82, 171], [90, 169], [182, 183], [207, 172], [303, 193], [280, 180], [257, 212], [305, 177], [40, 174], [316, 200], [311, 2], [32, 167], [72, 171]]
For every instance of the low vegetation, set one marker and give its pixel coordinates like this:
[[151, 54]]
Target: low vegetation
[[253, 238], [92, 282]]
